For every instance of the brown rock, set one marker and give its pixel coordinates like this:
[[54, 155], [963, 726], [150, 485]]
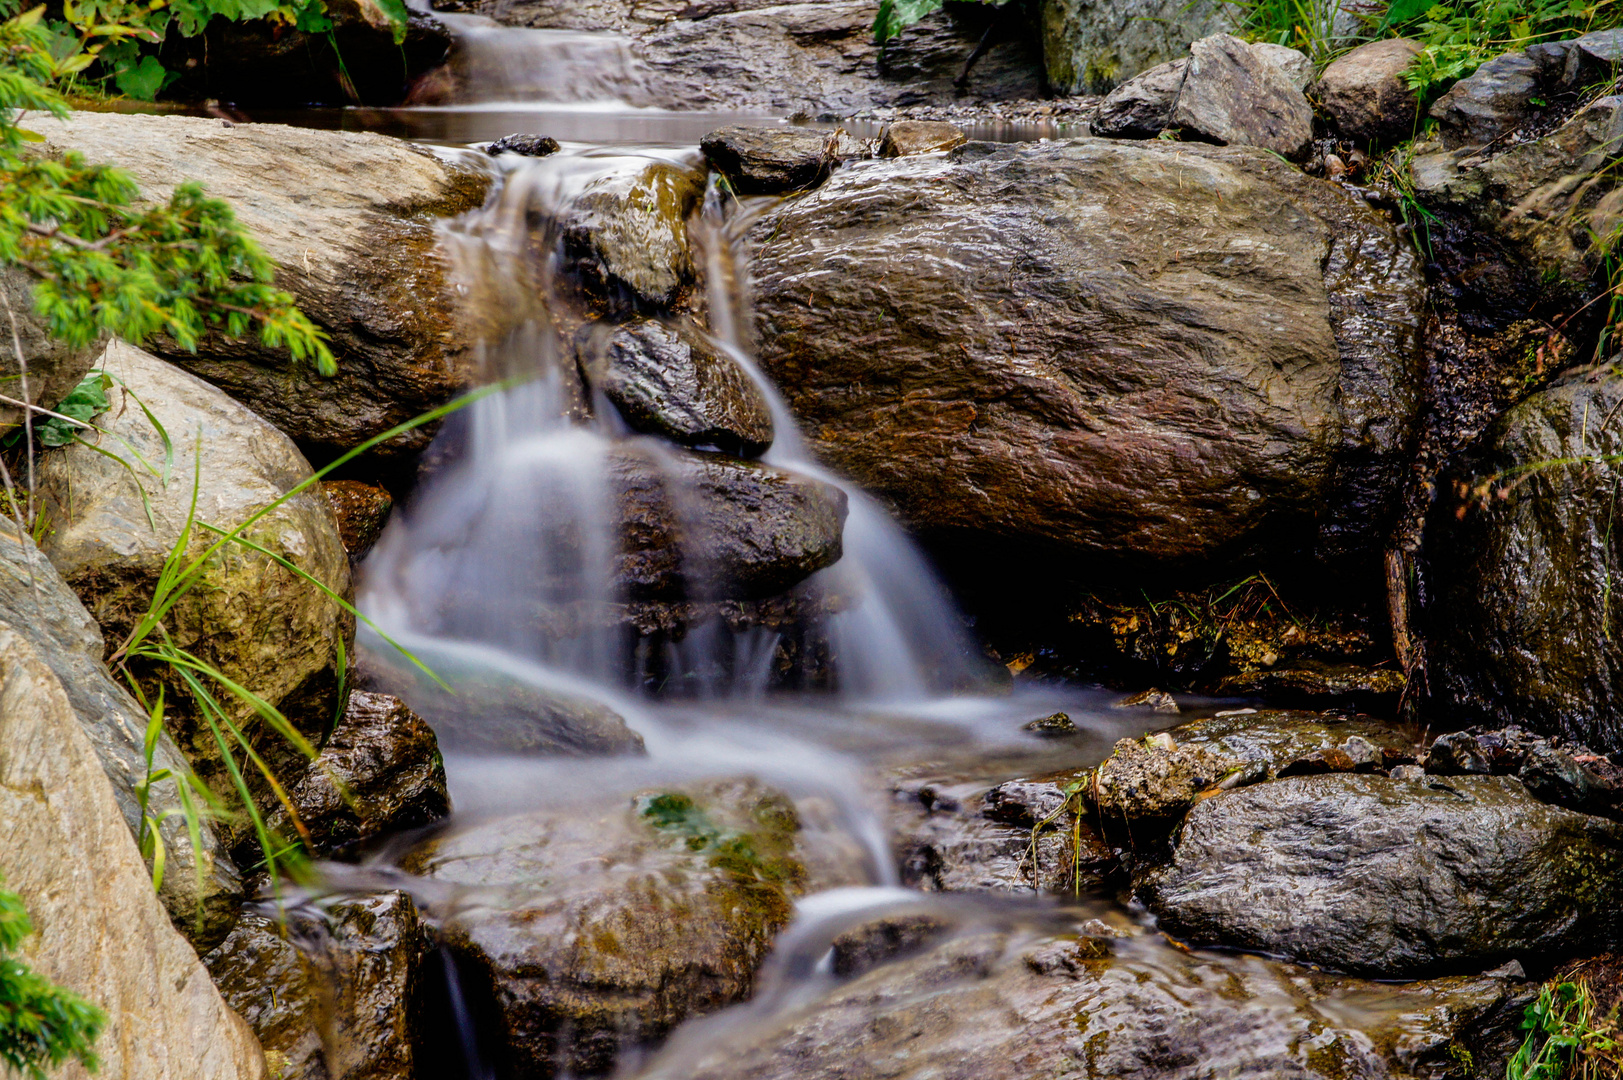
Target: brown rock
[[628, 237], [1364, 94], [768, 161], [906, 137], [362, 509]]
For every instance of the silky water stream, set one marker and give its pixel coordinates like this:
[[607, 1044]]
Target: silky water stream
[[505, 575]]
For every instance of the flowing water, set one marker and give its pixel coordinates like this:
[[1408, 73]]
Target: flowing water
[[503, 571]]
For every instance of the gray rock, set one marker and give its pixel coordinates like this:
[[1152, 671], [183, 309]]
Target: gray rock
[[603, 932], [99, 930], [1088, 360], [349, 218], [1488, 103], [1092, 47], [1518, 613], [669, 379], [1364, 95], [1292, 62], [379, 772], [54, 368], [1119, 1006], [329, 994], [1141, 107], [767, 161], [1392, 878], [906, 137], [38, 604], [1457, 754], [627, 234], [1235, 96], [1279, 738], [1146, 786], [258, 623]]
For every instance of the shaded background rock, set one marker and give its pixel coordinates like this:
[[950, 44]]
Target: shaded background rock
[[54, 368], [1391, 878], [1090, 47], [43, 610], [362, 510], [349, 219], [259, 623], [100, 930]]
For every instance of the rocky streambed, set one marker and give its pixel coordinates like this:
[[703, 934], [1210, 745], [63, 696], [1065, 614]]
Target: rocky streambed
[[654, 743]]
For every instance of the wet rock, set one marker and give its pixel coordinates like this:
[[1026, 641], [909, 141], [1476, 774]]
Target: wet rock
[[906, 137], [54, 368], [769, 161], [599, 934], [1091, 48], [328, 992], [1457, 755], [1311, 682], [1154, 700], [1587, 783], [1489, 102], [349, 219], [670, 380], [865, 948], [1496, 874], [257, 622], [378, 773], [1148, 788], [99, 929], [38, 605], [1236, 96], [1280, 739], [1061, 438], [1518, 580], [1121, 1007], [362, 510], [627, 234], [489, 710], [751, 530], [1027, 803], [1141, 107], [523, 145], [1364, 95], [1055, 724]]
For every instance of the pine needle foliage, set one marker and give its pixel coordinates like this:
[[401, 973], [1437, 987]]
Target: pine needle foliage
[[41, 1025]]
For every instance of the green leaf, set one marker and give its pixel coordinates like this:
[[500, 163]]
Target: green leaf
[[143, 80], [1402, 11]]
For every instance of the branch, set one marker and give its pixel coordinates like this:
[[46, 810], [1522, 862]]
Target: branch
[[4, 400]]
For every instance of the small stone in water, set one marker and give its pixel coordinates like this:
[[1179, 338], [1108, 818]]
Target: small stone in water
[[525, 145], [1056, 724], [1408, 772], [1155, 700], [907, 137]]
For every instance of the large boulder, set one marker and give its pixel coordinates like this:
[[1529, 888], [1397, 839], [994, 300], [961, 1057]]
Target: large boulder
[[117, 510], [1519, 561], [202, 900], [328, 992], [1391, 878], [1101, 353], [599, 933], [349, 219], [99, 929], [1090, 47], [1364, 94]]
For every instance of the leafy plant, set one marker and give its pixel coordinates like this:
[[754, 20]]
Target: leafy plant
[[1459, 37], [1308, 25], [87, 400], [41, 1025], [1565, 1038]]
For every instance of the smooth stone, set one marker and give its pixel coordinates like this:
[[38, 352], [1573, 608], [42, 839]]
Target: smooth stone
[[1088, 361], [260, 624], [1141, 107], [769, 161], [1235, 96], [1364, 94], [39, 605], [99, 928], [349, 218], [907, 137], [626, 234], [336, 1005], [1391, 878], [1518, 615], [670, 380]]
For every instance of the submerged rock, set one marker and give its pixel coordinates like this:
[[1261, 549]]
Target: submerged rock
[[260, 624], [627, 236], [1364, 94], [1391, 878], [348, 217], [38, 605], [595, 935], [671, 380], [378, 773], [1518, 570], [1235, 95], [1073, 426], [328, 993], [769, 161], [99, 929]]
